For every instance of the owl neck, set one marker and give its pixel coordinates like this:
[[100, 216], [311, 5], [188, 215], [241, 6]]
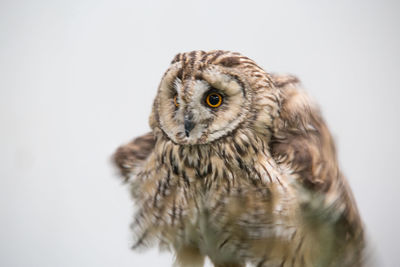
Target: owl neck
[[242, 155]]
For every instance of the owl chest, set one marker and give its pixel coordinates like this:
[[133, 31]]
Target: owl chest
[[226, 226], [226, 204], [222, 205]]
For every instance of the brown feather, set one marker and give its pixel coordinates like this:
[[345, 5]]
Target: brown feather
[[303, 142], [131, 155]]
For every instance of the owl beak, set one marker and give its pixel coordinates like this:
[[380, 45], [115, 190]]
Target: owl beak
[[189, 125]]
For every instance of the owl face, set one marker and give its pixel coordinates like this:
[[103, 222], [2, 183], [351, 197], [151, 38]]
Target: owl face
[[201, 103]]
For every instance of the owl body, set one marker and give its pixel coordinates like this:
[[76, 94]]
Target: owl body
[[239, 167]]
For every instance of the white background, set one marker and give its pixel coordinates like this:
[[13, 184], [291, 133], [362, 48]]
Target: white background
[[77, 79]]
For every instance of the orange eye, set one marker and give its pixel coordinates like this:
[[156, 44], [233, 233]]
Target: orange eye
[[176, 101], [214, 100]]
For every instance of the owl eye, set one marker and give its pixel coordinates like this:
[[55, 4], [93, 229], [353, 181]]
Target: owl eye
[[214, 100], [176, 101]]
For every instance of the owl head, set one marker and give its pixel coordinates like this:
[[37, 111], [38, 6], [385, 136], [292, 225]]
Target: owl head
[[205, 96]]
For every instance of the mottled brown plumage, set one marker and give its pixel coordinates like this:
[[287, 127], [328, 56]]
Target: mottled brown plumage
[[254, 180]]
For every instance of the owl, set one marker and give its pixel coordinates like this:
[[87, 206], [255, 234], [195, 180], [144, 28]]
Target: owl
[[241, 168]]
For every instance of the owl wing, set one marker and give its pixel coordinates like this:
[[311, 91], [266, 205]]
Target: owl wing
[[302, 142], [129, 156], [301, 138]]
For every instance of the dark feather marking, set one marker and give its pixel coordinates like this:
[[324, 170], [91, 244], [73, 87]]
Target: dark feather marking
[[179, 74], [242, 86], [229, 61], [182, 223], [187, 162], [176, 58], [184, 58], [192, 59], [140, 240], [173, 211], [241, 151], [240, 162], [209, 168], [198, 76], [209, 184], [261, 263], [185, 179], [175, 169], [267, 172], [255, 149], [168, 179], [224, 242], [216, 174], [216, 55]]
